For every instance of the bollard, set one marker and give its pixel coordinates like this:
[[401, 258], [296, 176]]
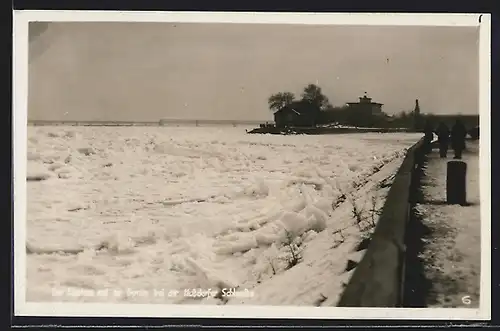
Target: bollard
[[456, 174]]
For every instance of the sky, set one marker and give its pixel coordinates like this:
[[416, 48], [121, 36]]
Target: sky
[[121, 71]]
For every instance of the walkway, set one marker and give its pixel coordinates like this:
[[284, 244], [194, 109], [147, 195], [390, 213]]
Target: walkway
[[451, 247]]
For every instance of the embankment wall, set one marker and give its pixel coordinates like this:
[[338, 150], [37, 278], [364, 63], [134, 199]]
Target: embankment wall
[[378, 279]]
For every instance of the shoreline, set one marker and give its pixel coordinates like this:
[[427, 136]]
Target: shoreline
[[315, 131]]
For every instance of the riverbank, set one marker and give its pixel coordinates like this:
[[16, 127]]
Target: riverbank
[[325, 130]]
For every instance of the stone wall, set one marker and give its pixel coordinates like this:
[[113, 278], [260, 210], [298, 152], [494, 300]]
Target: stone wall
[[378, 279]]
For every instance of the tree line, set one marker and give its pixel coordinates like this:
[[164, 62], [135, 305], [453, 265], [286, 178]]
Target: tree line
[[344, 115], [311, 93]]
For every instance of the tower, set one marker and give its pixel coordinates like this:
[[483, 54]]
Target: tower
[[416, 116], [417, 109]]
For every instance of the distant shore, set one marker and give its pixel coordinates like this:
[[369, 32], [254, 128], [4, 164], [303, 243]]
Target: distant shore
[[327, 130], [163, 122]]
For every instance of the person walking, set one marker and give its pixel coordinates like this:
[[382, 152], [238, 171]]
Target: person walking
[[443, 134], [458, 134], [428, 136]]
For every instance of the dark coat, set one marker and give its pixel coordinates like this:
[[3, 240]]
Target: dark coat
[[458, 134], [428, 133], [443, 133]]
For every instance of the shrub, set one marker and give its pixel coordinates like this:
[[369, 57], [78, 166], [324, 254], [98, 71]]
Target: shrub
[[294, 251]]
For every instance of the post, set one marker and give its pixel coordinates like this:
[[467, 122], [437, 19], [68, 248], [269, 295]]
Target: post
[[456, 174]]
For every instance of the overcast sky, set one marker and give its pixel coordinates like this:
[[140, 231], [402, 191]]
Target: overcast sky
[[149, 71]]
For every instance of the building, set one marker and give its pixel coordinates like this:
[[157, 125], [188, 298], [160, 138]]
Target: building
[[297, 114], [366, 106], [470, 121], [365, 113]]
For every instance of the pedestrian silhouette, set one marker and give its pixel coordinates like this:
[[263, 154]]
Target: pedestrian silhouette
[[428, 136], [443, 134], [458, 134]]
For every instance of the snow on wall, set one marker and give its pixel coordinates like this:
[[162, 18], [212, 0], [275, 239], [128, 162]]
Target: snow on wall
[[378, 279]]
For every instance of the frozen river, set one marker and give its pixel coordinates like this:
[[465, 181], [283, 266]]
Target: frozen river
[[122, 214]]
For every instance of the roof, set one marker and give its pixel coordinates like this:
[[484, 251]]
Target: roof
[[296, 106], [361, 103], [287, 108]]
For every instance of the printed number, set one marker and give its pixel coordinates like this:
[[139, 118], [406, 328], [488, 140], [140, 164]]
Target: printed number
[[466, 300]]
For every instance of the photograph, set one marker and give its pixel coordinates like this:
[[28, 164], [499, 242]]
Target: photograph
[[246, 165]]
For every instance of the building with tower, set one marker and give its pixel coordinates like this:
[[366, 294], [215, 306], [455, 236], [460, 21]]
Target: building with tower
[[366, 106]]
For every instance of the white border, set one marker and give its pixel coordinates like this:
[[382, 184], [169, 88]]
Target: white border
[[485, 159], [20, 75], [249, 17]]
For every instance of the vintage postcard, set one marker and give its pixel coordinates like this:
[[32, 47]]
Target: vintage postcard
[[272, 165]]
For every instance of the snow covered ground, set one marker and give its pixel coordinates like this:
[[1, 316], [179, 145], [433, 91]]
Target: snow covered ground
[[452, 246], [133, 214]]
